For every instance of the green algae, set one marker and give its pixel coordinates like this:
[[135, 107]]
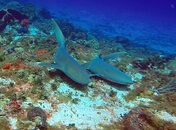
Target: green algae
[[31, 78], [21, 73], [165, 102], [10, 94], [35, 79], [4, 124], [39, 91], [75, 100], [3, 103], [2, 57], [22, 96], [54, 86], [25, 124]]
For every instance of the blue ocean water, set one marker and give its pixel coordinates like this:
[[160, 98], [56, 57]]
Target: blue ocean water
[[147, 22]]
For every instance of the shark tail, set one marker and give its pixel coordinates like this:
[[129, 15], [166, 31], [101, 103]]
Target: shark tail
[[59, 35]]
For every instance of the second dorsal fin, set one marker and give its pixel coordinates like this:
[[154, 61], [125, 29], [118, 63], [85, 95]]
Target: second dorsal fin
[[113, 55]]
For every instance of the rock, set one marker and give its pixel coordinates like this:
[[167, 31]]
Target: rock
[[38, 116], [139, 119]]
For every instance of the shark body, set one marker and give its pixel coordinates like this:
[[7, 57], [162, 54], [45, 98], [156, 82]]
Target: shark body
[[65, 62], [104, 70]]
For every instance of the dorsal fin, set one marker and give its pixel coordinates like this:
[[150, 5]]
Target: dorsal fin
[[113, 55], [59, 35]]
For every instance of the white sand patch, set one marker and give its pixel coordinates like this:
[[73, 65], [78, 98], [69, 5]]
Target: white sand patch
[[40, 103], [43, 105], [13, 122], [26, 103], [15, 39], [6, 81], [35, 31], [166, 116], [89, 113], [138, 76]]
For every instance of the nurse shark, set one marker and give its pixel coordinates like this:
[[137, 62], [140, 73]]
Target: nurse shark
[[65, 62], [100, 68]]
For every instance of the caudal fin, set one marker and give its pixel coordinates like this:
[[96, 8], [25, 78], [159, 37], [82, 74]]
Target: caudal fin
[[59, 35]]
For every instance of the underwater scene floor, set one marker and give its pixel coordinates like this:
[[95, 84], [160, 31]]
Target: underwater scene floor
[[34, 97]]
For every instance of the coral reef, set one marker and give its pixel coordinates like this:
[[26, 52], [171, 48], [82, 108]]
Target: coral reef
[[5, 125], [139, 119]]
